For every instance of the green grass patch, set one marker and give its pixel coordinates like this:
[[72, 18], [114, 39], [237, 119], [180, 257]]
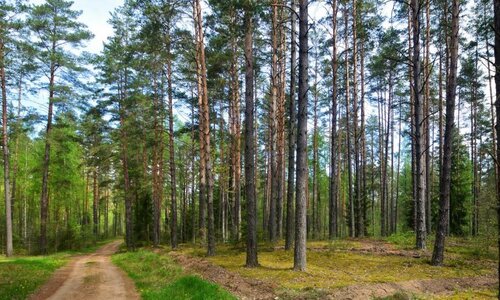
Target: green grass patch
[[159, 277], [20, 277], [471, 294]]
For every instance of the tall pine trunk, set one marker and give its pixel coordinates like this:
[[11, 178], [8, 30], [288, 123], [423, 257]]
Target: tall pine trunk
[[497, 107], [205, 133], [292, 137], [333, 200], [173, 182], [419, 134], [6, 157], [251, 257], [44, 197], [445, 176], [299, 263]]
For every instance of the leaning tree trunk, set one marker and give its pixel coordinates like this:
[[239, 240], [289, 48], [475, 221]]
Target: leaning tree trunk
[[299, 263], [445, 178]]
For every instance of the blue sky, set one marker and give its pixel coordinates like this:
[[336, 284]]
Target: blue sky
[[95, 14]]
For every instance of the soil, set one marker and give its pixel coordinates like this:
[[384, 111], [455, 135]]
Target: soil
[[430, 287], [241, 287], [91, 276]]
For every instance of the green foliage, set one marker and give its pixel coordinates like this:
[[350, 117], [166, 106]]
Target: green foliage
[[158, 277], [404, 240], [460, 194]]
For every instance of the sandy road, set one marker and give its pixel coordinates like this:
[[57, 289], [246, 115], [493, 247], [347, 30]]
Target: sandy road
[[92, 276]]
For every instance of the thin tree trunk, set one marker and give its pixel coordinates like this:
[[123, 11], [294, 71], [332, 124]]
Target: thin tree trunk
[[201, 124], [173, 183], [235, 131], [95, 203], [333, 205], [427, 104], [6, 157], [497, 107], [44, 197], [292, 137], [273, 121], [315, 162], [155, 163], [357, 169], [352, 230]]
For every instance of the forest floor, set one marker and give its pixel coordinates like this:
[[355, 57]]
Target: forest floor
[[91, 276], [350, 269], [340, 269]]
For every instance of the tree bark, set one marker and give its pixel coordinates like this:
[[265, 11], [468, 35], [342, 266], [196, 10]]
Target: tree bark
[[497, 108], [292, 136], [6, 157], [95, 203], [173, 182], [205, 133], [445, 176], [299, 263], [44, 197], [419, 134], [251, 255], [333, 200]]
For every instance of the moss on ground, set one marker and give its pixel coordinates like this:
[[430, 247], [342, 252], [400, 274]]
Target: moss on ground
[[471, 295], [333, 264]]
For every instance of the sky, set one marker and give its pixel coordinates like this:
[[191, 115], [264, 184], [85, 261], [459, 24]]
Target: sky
[[95, 14]]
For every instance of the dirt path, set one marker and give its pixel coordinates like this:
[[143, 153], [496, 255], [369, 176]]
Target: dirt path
[[241, 287], [89, 277]]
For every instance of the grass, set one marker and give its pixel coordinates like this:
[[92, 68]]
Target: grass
[[20, 276], [159, 277], [334, 264]]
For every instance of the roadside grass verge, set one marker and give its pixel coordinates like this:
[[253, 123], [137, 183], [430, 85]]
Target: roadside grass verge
[[159, 277], [21, 276]]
